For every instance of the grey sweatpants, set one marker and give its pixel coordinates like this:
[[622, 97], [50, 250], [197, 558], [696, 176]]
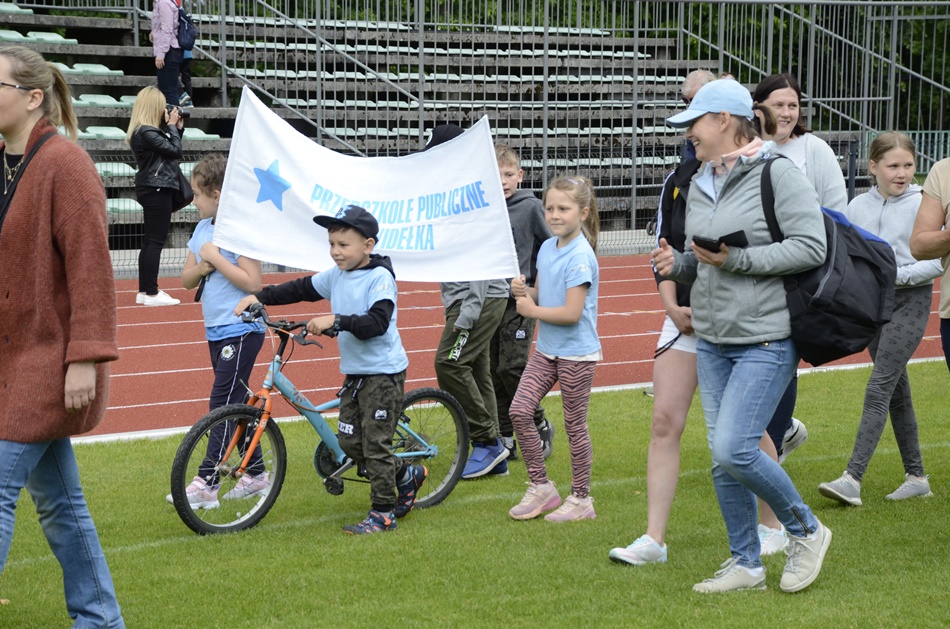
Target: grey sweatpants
[[889, 387]]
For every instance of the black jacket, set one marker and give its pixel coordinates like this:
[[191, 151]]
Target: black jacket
[[671, 217], [157, 152]]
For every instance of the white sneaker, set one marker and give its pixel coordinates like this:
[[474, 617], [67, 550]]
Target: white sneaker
[[249, 486], [771, 541], [200, 496], [845, 490], [794, 437], [140, 298], [161, 299], [642, 551], [913, 487], [731, 577], [537, 500], [805, 557]]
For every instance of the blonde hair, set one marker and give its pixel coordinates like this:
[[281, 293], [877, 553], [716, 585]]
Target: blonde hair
[[889, 141], [149, 109], [208, 174], [580, 189], [30, 69], [507, 156]]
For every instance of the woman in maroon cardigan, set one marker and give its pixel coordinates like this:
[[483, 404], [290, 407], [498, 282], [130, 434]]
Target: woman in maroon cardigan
[[57, 325]]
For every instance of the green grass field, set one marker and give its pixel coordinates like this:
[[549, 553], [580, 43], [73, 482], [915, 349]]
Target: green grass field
[[465, 563]]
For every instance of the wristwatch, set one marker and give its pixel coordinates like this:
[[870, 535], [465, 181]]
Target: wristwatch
[[336, 323]]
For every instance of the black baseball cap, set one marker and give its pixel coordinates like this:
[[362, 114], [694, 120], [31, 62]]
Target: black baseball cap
[[443, 133], [352, 216]]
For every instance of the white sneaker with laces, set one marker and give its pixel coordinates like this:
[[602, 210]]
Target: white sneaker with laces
[[731, 577], [913, 487], [573, 508], [200, 495], [771, 541], [805, 557], [249, 486], [642, 551], [160, 299], [537, 500]]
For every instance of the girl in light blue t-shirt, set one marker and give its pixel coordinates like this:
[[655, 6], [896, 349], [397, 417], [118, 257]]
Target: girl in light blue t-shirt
[[564, 301]]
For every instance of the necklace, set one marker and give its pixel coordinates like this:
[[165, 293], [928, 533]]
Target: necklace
[[9, 173]]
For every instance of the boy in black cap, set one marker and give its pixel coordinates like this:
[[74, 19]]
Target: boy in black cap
[[362, 290]]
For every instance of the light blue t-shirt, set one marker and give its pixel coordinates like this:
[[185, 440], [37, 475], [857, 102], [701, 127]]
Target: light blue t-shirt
[[220, 296], [354, 293], [559, 270]]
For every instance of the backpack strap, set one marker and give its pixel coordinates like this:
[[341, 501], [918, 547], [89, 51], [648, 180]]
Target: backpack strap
[[16, 179], [768, 200]]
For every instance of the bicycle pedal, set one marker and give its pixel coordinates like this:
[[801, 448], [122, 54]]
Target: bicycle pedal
[[334, 485]]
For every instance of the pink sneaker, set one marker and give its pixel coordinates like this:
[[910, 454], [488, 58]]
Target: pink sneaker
[[574, 508], [200, 496], [537, 500], [249, 486]]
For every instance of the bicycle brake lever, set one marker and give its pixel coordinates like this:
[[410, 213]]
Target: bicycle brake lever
[[301, 339]]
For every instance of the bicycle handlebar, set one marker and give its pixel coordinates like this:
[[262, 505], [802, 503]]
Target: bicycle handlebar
[[257, 311]]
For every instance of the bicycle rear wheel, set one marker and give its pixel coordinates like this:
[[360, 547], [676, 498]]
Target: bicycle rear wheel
[[227, 504], [433, 420]]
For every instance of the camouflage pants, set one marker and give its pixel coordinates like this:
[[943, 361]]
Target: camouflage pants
[[369, 410], [510, 348]]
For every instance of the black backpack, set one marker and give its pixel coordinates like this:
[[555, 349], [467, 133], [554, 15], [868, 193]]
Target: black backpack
[[187, 31], [838, 307]]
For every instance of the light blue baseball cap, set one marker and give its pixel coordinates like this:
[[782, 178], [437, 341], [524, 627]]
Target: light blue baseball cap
[[716, 96]]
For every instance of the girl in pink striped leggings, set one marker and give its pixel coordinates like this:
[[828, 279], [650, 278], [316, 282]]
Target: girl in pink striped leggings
[[564, 301]]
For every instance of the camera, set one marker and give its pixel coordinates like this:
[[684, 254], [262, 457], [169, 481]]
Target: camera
[[182, 113]]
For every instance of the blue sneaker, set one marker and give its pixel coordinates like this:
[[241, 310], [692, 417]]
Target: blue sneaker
[[375, 522], [499, 470], [484, 457], [409, 489]]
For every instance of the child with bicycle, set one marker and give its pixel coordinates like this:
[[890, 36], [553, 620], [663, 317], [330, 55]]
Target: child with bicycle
[[223, 279], [362, 291], [564, 301]]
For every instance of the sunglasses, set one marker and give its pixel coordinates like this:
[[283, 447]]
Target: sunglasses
[[19, 87]]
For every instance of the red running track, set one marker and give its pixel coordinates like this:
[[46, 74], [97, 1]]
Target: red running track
[[163, 376]]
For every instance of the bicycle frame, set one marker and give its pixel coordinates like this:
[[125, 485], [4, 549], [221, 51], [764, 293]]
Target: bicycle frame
[[275, 379]]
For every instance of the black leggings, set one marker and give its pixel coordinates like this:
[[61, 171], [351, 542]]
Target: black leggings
[[945, 338], [157, 204]]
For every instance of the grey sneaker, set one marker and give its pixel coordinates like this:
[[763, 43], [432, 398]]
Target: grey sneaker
[[771, 541], [804, 561], [729, 578], [546, 432], [642, 551], [794, 437], [913, 487], [845, 490]]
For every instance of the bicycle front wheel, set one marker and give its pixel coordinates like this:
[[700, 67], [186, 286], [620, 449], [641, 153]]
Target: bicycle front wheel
[[206, 460], [433, 425]]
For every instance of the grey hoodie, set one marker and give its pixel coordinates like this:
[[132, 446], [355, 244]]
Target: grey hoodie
[[893, 219], [526, 213], [743, 301]]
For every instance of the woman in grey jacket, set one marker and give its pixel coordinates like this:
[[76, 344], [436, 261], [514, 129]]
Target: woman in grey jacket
[[889, 210], [745, 355]]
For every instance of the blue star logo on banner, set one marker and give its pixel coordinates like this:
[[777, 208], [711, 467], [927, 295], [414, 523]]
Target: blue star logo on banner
[[273, 186]]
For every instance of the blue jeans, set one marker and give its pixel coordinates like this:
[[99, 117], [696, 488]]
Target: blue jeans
[[740, 387], [49, 472]]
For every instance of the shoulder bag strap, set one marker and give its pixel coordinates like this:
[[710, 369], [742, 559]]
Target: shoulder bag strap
[[16, 178], [768, 201]]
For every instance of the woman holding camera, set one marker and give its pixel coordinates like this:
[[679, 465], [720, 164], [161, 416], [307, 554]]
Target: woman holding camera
[[155, 137]]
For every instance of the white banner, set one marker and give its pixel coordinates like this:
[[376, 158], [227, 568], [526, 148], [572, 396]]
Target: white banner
[[441, 213]]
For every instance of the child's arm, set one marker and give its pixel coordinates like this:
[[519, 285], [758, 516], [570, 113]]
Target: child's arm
[[372, 324], [193, 271], [246, 274], [291, 292], [568, 314], [519, 288], [471, 308]]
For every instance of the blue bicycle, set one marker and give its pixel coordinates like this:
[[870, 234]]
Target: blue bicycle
[[240, 439]]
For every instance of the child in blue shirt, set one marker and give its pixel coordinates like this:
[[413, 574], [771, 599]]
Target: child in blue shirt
[[362, 290], [223, 279], [564, 301]]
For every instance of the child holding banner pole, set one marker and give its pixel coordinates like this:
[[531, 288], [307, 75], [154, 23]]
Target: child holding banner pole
[[473, 311], [564, 301]]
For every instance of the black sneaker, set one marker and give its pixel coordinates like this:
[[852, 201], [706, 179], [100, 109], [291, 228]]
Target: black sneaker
[[512, 446], [409, 489], [546, 432]]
